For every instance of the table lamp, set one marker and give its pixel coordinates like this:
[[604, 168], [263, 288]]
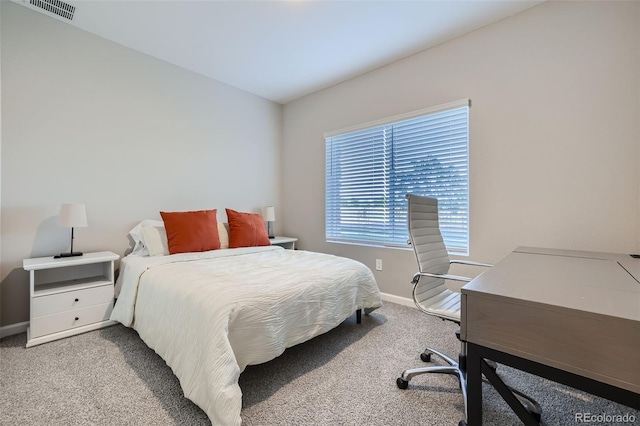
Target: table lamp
[[72, 216], [269, 215]]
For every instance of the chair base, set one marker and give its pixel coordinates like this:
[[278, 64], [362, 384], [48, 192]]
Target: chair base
[[458, 369], [453, 369]]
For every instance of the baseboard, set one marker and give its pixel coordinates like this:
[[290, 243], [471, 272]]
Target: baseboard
[[10, 330], [404, 301]]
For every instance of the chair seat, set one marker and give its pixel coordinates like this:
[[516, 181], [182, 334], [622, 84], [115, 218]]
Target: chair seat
[[446, 305]]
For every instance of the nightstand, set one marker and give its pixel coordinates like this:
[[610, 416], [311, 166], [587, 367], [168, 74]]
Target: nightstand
[[286, 242], [70, 295]]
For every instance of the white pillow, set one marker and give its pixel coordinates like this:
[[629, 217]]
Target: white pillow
[[136, 235], [155, 240], [223, 234]]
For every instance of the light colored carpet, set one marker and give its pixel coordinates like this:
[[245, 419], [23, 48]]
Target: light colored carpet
[[344, 377]]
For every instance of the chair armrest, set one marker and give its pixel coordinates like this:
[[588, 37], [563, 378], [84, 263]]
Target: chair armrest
[[469, 262], [443, 276]]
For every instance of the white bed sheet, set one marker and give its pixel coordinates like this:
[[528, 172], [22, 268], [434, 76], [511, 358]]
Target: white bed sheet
[[210, 314]]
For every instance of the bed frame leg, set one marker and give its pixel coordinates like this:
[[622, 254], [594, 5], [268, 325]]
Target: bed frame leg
[[359, 316]]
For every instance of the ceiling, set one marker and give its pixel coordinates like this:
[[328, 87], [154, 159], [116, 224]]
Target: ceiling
[[283, 50]]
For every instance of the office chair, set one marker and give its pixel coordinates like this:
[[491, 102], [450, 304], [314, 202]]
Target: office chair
[[431, 295]]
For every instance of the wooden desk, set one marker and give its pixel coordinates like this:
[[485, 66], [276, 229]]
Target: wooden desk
[[569, 316]]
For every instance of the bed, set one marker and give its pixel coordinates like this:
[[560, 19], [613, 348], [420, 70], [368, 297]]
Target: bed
[[212, 313]]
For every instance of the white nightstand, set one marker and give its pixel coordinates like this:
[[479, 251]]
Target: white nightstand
[[286, 242], [70, 295]]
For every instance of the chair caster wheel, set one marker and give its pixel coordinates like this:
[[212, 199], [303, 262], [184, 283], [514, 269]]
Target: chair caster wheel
[[402, 384], [462, 423], [425, 356]]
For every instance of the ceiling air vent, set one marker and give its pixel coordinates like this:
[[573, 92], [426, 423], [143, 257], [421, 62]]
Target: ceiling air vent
[[57, 7]]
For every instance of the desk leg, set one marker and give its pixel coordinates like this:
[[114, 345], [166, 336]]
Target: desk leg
[[527, 409], [474, 387]]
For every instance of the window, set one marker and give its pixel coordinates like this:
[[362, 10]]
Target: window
[[369, 169]]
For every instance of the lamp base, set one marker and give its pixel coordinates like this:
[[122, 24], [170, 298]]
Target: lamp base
[[71, 254]]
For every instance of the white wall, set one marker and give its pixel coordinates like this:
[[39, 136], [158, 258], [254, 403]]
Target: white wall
[[87, 120], [554, 139]]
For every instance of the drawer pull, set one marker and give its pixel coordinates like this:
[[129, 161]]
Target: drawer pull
[[76, 299], [77, 318]]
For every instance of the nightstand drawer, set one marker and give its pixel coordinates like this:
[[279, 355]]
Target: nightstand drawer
[[71, 300], [49, 324]]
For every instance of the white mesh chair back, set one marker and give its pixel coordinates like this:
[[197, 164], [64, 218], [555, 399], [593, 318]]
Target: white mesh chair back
[[430, 295]]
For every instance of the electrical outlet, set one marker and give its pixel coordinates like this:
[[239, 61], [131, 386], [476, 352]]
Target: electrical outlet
[[378, 264]]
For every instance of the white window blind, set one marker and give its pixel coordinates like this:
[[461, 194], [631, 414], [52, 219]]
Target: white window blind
[[369, 171]]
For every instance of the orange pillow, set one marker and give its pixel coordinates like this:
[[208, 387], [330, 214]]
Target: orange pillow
[[191, 231], [246, 230]]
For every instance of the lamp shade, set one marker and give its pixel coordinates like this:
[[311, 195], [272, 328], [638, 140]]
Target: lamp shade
[[72, 216], [269, 213]]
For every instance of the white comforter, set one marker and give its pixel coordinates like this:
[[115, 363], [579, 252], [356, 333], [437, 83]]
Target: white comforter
[[210, 314]]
